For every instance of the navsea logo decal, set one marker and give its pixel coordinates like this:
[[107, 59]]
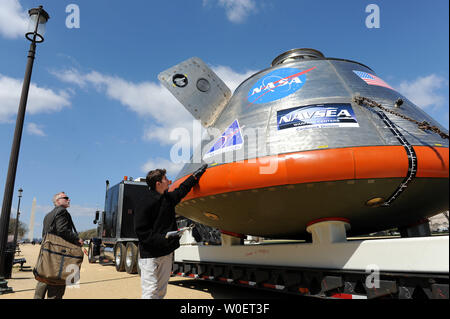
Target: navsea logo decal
[[277, 85], [317, 116]]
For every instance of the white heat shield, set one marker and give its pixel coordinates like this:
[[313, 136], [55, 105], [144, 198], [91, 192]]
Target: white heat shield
[[198, 88]]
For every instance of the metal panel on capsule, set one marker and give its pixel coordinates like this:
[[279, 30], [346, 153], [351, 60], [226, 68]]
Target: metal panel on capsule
[[198, 88]]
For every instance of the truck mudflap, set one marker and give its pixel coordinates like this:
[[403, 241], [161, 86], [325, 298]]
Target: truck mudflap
[[320, 283]]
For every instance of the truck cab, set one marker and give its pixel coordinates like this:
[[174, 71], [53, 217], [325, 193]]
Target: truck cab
[[116, 239]]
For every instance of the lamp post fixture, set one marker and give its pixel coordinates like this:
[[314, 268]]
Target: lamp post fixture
[[36, 28], [16, 230]]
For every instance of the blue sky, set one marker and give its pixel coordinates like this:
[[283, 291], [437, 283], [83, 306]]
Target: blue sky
[[96, 110]]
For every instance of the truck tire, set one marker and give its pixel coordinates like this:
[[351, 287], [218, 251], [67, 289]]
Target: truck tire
[[137, 264], [91, 254], [119, 256], [131, 258]]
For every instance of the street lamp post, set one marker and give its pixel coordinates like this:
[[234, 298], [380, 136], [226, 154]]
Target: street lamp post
[[38, 19], [16, 230]]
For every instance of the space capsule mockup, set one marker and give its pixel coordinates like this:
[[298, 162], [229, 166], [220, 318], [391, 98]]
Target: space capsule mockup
[[308, 139]]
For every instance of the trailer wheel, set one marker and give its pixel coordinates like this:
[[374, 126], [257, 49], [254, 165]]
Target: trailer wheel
[[91, 256], [131, 258], [137, 263], [119, 257]]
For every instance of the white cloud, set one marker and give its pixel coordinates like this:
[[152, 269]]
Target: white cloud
[[171, 167], [148, 99], [13, 19], [154, 101], [236, 10], [40, 100], [81, 211], [231, 78], [82, 216], [424, 91], [74, 210], [41, 209], [70, 75], [35, 129]]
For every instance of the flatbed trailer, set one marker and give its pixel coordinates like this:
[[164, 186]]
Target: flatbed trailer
[[329, 267]]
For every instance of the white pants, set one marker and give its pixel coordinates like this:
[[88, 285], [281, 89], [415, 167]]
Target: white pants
[[155, 275]]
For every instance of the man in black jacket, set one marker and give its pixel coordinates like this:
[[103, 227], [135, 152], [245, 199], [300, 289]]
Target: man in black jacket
[[58, 222], [154, 217]]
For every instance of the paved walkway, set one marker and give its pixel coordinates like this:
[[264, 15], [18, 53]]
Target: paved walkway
[[104, 282]]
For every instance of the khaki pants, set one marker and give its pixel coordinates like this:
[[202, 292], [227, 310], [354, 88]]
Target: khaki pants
[[53, 292], [155, 275]]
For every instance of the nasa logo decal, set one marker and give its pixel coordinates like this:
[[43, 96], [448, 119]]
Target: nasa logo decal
[[180, 80], [277, 85]]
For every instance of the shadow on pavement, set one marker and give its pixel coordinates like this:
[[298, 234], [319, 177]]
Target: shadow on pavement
[[227, 291]]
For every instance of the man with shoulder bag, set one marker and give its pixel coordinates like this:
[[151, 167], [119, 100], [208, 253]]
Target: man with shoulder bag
[[60, 253]]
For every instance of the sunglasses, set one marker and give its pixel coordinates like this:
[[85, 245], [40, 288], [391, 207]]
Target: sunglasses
[[66, 198]]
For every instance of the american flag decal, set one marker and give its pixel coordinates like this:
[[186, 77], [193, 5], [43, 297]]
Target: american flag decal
[[371, 79]]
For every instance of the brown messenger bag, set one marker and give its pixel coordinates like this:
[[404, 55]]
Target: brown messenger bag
[[58, 259]]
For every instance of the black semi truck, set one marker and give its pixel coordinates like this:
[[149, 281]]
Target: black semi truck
[[116, 239]]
